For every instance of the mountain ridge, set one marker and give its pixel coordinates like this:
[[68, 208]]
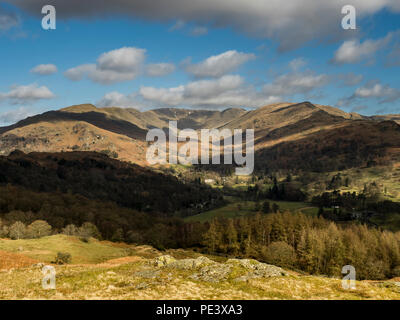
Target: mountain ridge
[[122, 131]]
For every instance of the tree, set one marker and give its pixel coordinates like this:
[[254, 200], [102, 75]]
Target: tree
[[231, 236], [17, 231], [212, 238], [70, 230], [38, 229], [280, 253], [118, 235], [266, 207], [4, 230], [88, 230]]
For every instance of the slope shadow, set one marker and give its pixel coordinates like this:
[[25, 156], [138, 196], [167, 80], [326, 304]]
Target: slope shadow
[[97, 119]]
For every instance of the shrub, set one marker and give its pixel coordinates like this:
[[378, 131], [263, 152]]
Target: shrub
[[280, 253], [62, 258]]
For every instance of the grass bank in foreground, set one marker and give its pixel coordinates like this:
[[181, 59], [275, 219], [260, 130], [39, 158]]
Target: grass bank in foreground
[[101, 270]]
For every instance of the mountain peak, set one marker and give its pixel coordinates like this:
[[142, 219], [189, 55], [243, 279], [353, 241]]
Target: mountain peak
[[80, 108]]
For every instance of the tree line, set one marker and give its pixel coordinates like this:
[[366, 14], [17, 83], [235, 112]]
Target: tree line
[[310, 244]]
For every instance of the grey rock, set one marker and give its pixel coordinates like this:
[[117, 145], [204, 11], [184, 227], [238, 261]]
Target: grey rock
[[213, 273], [191, 264], [162, 261]]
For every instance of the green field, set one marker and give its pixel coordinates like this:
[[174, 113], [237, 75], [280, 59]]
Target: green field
[[242, 208], [45, 249]]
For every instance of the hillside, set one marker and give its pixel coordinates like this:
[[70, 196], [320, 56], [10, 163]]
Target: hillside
[[96, 176], [122, 132], [344, 145], [141, 272]]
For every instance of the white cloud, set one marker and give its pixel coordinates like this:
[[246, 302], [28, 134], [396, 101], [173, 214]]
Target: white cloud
[[79, 72], [219, 65], [292, 23], [44, 69], [227, 91], [114, 66], [117, 99], [159, 69], [373, 90], [7, 20], [354, 51], [350, 79], [199, 31], [383, 92], [297, 64], [13, 116], [27, 94], [177, 26], [126, 59], [295, 83]]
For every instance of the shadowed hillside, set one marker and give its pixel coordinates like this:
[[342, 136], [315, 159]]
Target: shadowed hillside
[[96, 176]]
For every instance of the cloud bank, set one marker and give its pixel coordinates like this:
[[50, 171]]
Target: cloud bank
[[291, 23]]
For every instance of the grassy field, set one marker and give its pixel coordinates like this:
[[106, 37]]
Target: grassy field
[[136, 277], [242, 208], [386, 177], [46, 248], [390, 221]]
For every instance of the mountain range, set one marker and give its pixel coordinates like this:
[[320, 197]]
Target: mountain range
[[287, 135]]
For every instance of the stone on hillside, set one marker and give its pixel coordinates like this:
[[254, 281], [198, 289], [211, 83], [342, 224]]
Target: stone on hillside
[[191, 264], [162, 261], [213, 273], [256, 269]]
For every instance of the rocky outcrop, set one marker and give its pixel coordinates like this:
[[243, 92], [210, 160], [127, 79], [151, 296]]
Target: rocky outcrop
[[205, 269]]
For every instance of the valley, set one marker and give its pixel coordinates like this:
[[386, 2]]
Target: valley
[[76, 192]]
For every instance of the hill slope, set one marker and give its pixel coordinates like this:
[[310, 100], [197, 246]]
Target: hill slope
[[96, 176], [121, 132], [141, 272]]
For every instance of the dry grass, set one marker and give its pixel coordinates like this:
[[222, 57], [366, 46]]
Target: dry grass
[[118, 280], [10, 260], [132, 276]]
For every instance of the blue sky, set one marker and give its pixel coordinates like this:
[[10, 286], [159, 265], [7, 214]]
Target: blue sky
[[131, 57]]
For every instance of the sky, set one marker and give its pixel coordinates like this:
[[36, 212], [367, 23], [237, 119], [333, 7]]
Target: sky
[[198, 54]]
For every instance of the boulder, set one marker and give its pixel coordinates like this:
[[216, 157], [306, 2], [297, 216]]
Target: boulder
[[213, 273], [256, 269], [162, 261], [191, 264]]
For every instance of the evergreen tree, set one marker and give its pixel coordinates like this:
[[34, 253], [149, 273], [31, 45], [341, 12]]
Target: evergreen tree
[[212, 238], [266, 207]]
